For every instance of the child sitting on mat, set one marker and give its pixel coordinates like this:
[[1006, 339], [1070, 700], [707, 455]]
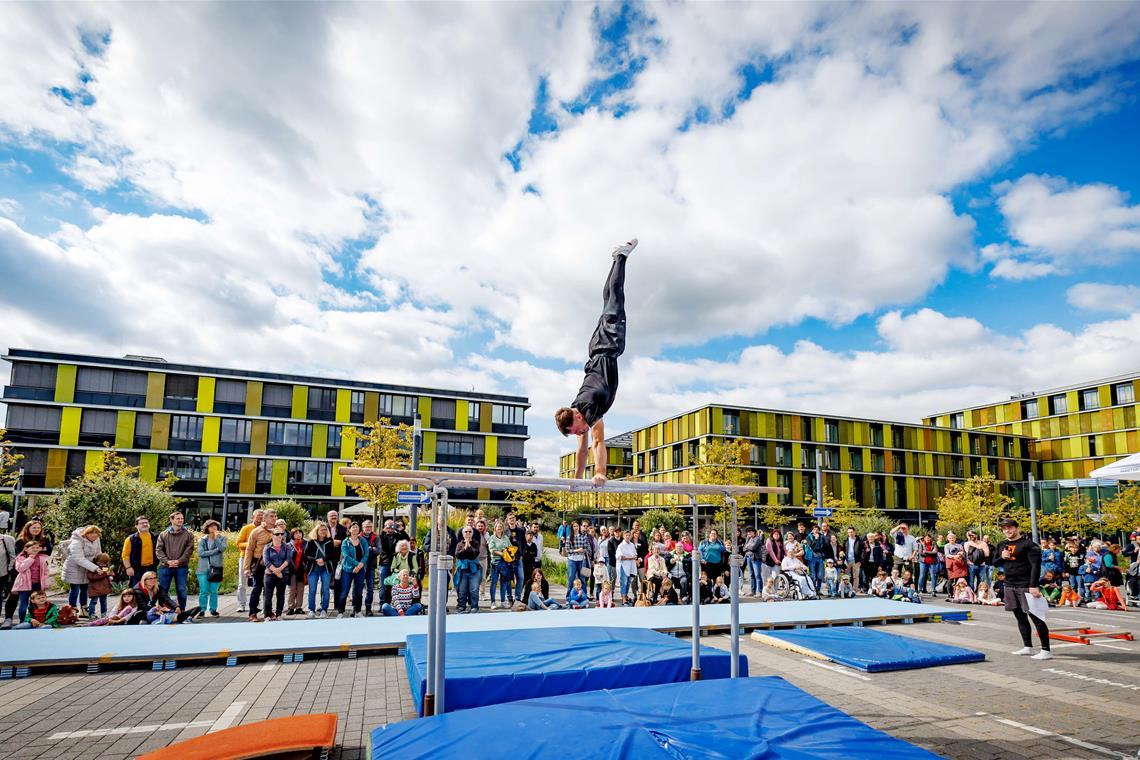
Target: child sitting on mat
[[123, 611], [578, 599], [720, 594], [986, 595], [770, 594], [42, 614], [606, 597], [844, 591], [963, 594]]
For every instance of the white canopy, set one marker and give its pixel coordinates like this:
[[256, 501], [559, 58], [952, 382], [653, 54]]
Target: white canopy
[[1126, 469], [364, 509]]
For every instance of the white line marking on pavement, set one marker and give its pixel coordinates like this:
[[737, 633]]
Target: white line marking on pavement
[[963, 622], [227, 718], [1086, 623], [1091, 679], [268, 666], [1110, 646], [128, 730], [835, 669], [1062, 737]]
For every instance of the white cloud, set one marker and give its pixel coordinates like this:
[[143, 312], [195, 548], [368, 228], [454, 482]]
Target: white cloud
[[1020, 269], [11, 208], [1096, 296]]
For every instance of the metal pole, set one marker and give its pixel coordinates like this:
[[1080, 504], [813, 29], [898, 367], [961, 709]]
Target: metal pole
[[819, 479], [1033, 507], [225, 499], [17, 492], [443, 569], [433, 611], [735, 562], [417, 443], [695, 593]]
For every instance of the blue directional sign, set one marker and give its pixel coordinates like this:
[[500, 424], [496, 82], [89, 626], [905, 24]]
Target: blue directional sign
[[412, 497], [822, 512]]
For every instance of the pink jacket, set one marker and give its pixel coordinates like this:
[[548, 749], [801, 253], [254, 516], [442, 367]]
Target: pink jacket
[[30, 570]]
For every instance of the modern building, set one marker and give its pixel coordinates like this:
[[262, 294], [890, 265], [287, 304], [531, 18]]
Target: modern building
[[619, 458], [1075, 429], [900, 468], [246, 435]]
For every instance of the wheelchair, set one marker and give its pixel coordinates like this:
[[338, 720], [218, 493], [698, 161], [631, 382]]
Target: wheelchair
[[788, 587]]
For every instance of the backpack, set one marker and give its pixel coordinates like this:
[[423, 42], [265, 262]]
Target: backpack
[[67, 615]]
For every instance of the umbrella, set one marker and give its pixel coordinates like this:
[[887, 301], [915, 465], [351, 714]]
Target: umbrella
[[1126, 469]]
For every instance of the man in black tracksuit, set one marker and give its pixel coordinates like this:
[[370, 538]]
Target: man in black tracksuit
[[1020, 557]]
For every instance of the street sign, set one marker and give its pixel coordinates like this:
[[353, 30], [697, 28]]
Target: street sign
[[822, 512], [412, 497]]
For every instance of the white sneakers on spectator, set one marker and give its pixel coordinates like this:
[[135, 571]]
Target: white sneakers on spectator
[[1044, 654], [310, 614], [1025, 651], [494, 605]]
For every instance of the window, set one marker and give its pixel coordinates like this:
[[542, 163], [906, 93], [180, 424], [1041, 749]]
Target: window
[[676, 457], [277, 400], [184, 387], [183, 468], [756, 453], [877, 492], [694, 453], [512, 447], [807, 457], [322, 403], [76, 461], [784, 480], [473, 415], [957, 468], [397, 406], [877, 461], [506, 415], [334, 439], [233, 474], [33, 418], [653, 461], [1090, 399], [31, 375], [1123, 393], [991, 446], [900, 493], [1029, 409], [129, 383], [310, 473], [1059, 404], [235, 431], [458, 446], [856, 459], [806, 424], [143, 425], [186, 427], [898, 439], [956, 443], [34, 461], [264, 470], [807, 482], [975, 445], [831, 458], [443, 413], [876, 435], [783, 455], [94, 379], [1092, 446], [356, 407], [1010, 447], [975, 467], [294, 438], [958, 420], [831, 431], [229, 396], [98, 422], [898, 463], [732, 423]]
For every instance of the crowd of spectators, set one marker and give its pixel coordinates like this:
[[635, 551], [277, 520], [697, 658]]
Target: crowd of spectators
[[342, 568]]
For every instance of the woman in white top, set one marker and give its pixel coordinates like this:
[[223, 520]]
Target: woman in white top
[[627, 562], [655, 572]]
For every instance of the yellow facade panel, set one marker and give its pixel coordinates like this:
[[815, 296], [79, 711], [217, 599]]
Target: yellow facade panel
[[279, 482], [320, 441], [339, 488], [258, 436], [65, 383], [253, 391], [215, 474], [92, 461], [300, 407], [427, 456], [56, 468], [148, 466], [155, 389], [160, 431], [462, 414], [343, 405], [125, 430], [491, 451], [211, 433], [69, 420], [206, 386], [484, 416], [247, 480]]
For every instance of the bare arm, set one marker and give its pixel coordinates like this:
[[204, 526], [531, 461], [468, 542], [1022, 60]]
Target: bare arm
[[580, 468], [599, 433]]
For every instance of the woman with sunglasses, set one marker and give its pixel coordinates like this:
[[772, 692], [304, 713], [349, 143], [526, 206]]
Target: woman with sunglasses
[[276, 558]]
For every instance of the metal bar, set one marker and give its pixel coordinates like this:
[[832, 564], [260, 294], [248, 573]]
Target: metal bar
[[735, 560], [433, 610], [367, 475], [439, 532], [695, 593]]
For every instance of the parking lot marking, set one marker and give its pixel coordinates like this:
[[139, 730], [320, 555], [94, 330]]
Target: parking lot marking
[[227, 718], [1062, 737], [149, 729]]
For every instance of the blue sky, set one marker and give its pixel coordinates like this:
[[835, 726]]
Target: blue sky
[[857, 209]]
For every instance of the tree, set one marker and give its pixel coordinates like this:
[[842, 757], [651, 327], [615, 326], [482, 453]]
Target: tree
[[529, 504], [671, 519], [770, 516], [381, 445], [111, 497], [976, 503], [727, 463], [1070, 518], [294, 515], [847, 513], [1122, 512], [9, 462]]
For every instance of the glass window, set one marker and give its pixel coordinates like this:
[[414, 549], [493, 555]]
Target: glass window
[[783, 455], [513, 447], [507, 415], [756, 453], [29, 375], [1029, 409], [956, 443], [898, 462], [473, 414], [856, 459], [806, 426], [876, 435], [182, 386], [186, 428], [442, 409], [334, 439], [275, 394], [898, 440], [1124, 393], [1059, 404], [784, 480], [129, 383], [1092, 446], [94, 380], [958, 420], [807, 457], [183, 467], [235, 431], [233, 470], [831, 431], [310, 473], [33, 418], [34, 461], [323, 399], [356, 403], [455, 445], [143, 424], [831, 458], [1090, 398], [732, 423], [397, 406], [290, 434], [230, 391], [76, 461], [877, 461], [264, 470], [98, 422]]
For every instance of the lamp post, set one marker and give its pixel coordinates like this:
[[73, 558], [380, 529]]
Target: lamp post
[[225, 499]]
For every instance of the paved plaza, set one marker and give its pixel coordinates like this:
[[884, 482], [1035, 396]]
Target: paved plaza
[[1082, 704]]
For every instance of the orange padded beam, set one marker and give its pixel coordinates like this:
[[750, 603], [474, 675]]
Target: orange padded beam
[[267, 738]]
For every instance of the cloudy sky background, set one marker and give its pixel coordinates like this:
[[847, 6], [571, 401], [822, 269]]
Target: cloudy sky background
[[873, 210]]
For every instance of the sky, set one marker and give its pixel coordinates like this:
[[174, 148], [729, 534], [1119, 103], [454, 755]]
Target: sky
[[873, 210]]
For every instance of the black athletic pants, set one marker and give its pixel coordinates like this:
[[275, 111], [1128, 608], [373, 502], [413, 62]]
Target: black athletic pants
[[1023, 619], [609, 337]]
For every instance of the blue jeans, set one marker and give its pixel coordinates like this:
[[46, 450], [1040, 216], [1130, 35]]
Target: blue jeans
[[207, 593], [382, 572], [925, 571], [370, 587], [755, 578], [319, 575], [521, 589], [502, 577], [355, 581], [467, 588], [179, 576], [102, 600], [536, 602], [573, 570], [25, 597], [817, 571], [623, 579], [977, 573], [77, 596], [390, 611]]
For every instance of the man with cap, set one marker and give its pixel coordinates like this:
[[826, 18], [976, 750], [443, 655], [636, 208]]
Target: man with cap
[[1020, 556]]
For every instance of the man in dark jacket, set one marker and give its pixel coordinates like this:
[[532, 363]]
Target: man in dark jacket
[[372, 538], [855, 550]]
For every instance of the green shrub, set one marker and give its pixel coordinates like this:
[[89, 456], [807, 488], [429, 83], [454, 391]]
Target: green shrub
[[555, 572], [294, 515]]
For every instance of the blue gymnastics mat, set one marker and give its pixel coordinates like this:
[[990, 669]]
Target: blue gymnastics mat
[[487, 668], [728, 719], [870, 650]]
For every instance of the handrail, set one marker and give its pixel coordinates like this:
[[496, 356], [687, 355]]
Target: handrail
[[480, 480]]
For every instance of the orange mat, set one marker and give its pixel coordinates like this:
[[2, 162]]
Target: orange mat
[[278, 737]]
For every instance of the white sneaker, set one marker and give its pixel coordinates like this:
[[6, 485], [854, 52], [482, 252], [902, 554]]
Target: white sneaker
[[339, 615], [324, 615], [310, 615], [1044, 654], [494, 605], [1024, 651], [625, 248]]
